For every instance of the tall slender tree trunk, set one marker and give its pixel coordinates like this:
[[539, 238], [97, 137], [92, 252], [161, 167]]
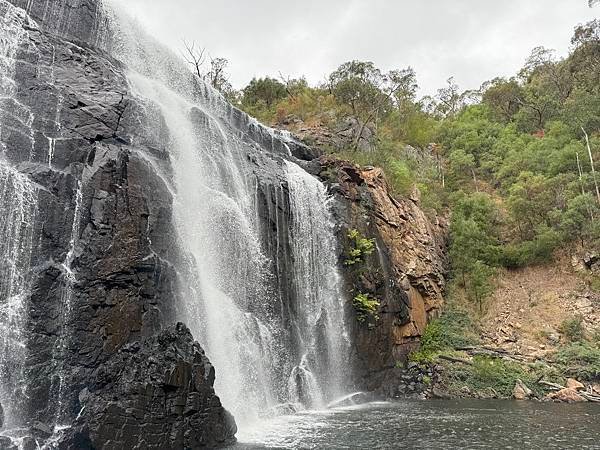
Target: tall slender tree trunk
[[589, 148], [590, 212], [474, 180]]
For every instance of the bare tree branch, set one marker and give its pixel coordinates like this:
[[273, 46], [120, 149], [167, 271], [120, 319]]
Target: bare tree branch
[[194, 57]]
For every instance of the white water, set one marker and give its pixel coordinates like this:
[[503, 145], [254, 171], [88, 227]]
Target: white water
[[60, 351], [320, 311], [263, 356], [18, 204]]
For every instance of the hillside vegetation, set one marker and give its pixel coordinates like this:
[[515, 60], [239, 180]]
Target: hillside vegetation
[[513, 161], [512, 164]]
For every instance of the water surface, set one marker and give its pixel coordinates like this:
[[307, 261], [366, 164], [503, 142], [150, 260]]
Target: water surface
[[444, 424]]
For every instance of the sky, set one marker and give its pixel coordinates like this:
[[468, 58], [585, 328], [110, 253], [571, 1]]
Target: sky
[[471, 40]]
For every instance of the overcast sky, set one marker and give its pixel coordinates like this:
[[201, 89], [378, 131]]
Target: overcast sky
[[472, 40]]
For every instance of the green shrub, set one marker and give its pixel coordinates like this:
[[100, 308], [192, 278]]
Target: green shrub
[[572, 329], [360, 248], [487, 373], [595, 284], [536, 251], [454, 329], [580, 360], [365, 307]]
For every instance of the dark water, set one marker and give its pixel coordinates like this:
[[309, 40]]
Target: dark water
[[447, 424]]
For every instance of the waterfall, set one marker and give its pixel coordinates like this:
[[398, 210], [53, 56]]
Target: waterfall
[[271, 343], [62, 373], [18, 201], [18, 204], [257, 259], [320, 311]]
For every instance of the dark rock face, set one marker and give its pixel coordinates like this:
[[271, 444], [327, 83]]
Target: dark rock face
[[156, 393], [72, 19], [105, 249]]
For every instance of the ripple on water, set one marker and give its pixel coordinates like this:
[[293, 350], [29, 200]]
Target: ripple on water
[[464, 424]]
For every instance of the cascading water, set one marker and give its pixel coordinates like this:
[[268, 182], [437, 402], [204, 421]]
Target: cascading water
[[213, 211], [260, 286], [316, 280], [265, 353], [18, 201], [61, 381], [18, 204]]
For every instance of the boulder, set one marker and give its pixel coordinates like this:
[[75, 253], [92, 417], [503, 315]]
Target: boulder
[[566, 395], [157, 393], [574, 384], [41, 429], [521, 391]]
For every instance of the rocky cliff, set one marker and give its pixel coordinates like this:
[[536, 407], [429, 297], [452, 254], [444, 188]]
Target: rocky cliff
[[405, 275], [103, 285]]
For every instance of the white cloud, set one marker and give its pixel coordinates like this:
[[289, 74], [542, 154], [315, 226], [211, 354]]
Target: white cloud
[[472, 40]]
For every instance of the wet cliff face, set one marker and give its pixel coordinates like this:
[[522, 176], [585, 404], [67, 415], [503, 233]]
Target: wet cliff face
[[405, 274], [101, 268]]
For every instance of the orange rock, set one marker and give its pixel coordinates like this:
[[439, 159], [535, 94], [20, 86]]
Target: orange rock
[[521, 391], [566, 395], [574, 384]]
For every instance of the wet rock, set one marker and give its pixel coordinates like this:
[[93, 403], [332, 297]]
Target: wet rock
[[436, 392], [353, 399], [521, 391], [73, 19], [156, 393], [29, 443], [283, 409], [574, 384], [7, 444], [41, 429], [124, 254]]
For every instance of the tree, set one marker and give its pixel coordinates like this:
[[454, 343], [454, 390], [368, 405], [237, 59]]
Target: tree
[[293, 86], [542, 68], [530, 200], [584, 61], [215, 74], [589, 149], [577, 222], [473, 235], [195, 56], [370, 94], [449, 101], [480, 286], [504, 97], [263, 91], [217, 77]]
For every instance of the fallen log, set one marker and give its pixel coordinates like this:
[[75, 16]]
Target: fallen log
[[456, 360], [555, 386]]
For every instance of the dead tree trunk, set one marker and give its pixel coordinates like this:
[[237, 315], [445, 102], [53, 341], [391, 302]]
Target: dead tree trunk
[[589, 148]]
